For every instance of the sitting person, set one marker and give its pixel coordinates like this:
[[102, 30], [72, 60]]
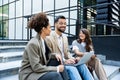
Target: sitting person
[[34, 63], [84, 44], [58, 44]]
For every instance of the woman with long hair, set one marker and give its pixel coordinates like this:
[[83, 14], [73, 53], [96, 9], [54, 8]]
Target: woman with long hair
[[84, 44]]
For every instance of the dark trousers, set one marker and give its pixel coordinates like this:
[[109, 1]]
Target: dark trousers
[[54, 62], [51, 76]]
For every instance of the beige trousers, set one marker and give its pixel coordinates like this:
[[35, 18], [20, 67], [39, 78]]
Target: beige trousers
[[96, 65]]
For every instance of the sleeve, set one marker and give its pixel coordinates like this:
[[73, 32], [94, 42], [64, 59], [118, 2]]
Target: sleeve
[[74, 45], [35, 59]]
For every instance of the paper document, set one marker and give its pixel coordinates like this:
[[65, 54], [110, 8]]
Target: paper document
[[83, 59]]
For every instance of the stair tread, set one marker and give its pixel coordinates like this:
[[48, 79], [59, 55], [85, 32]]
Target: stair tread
[[10, 65], [20, 46], [117, 77], [11, 54], [12, 77], [109, 69], [13, 41]]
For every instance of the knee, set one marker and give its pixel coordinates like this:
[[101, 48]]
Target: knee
[[71, 69], [82, 66], [56, 74]]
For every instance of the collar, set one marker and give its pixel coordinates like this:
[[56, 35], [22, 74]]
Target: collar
[[42, 39], [58, 36]]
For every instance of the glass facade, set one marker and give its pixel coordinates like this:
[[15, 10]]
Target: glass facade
[[14, 15], [108, 17]]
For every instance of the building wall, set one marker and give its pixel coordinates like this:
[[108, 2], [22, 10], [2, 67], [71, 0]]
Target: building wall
[[18, 13], [14, 15]]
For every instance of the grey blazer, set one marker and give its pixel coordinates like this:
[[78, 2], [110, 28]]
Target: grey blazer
[[34, 61]]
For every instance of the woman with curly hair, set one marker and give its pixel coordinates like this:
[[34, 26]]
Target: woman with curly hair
[[34, 63]]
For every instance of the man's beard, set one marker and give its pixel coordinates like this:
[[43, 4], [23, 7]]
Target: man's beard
[[61, 30]]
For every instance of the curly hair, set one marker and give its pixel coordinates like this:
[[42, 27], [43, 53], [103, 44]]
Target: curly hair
[[38, 21]]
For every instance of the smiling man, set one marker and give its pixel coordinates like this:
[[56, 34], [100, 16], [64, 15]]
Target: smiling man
[[58, 43]]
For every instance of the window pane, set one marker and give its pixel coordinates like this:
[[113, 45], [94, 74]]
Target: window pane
[[73, 14], [5, 12], [11, 0], [0, 13], [51, 20], [72, 30], [72, 22], [5, 1], [25, 28], [0, 29], [4, 29], [11, 29], [0, 2], [27, 7], [37, 6], [12, 10], [63, 13], [19, 8], [19, 28], [48, 5], [73, 17], [73, 2], [60, 4]]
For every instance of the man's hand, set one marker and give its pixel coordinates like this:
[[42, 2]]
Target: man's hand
[[70, 61]]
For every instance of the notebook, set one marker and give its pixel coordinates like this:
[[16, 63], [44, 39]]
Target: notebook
[[83, 59]]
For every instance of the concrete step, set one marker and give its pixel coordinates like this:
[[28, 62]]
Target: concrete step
[[116, 77], [12, 77], [9, 68], [112, 62], [111, 71], [13, 42], [10, 56], [4, 49]]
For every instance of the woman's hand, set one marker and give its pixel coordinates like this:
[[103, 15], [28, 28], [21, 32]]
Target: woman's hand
[[77, 59], [61, 68], [93, 56], [59, 58]]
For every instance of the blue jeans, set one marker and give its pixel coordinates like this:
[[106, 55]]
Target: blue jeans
[[75, 73]]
